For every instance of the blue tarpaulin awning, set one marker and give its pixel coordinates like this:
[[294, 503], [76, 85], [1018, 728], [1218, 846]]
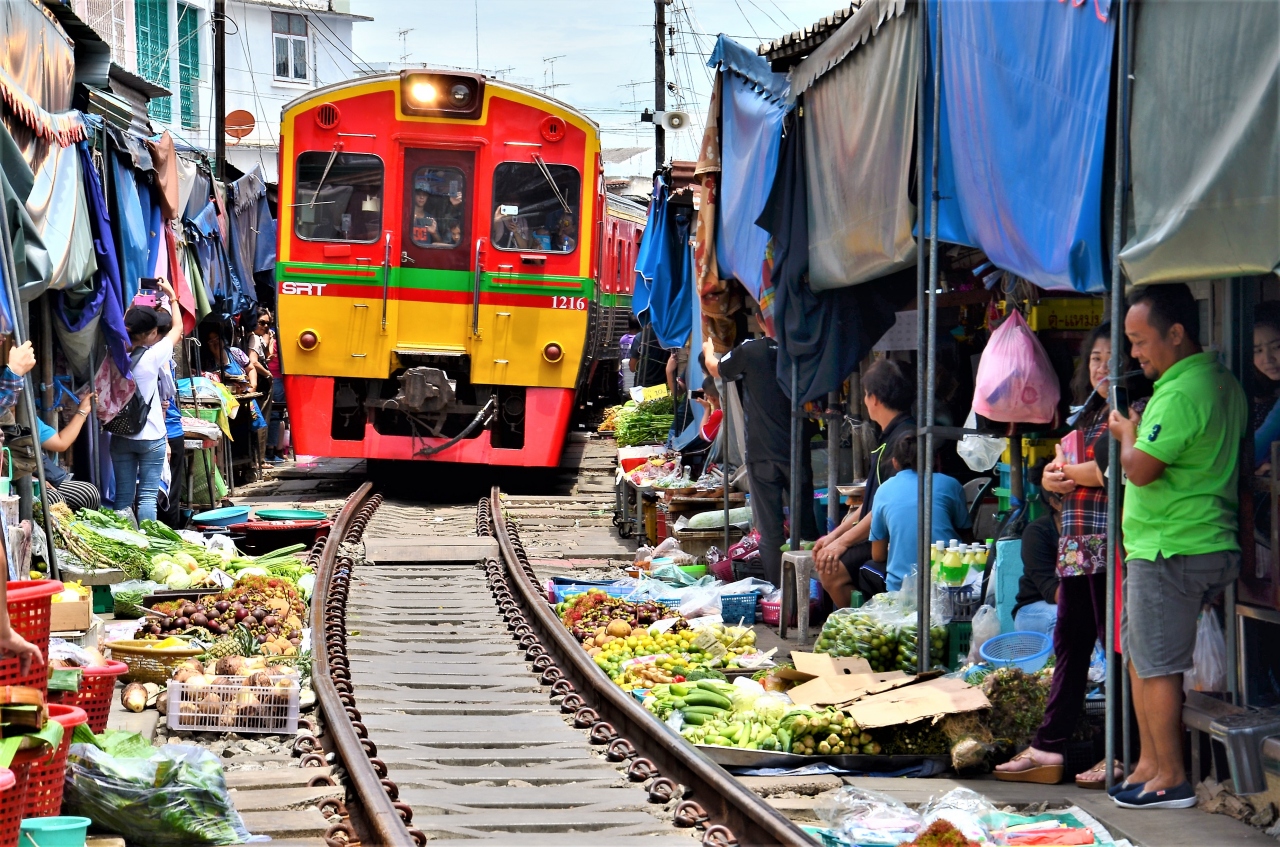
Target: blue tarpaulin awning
[[1026, 87], [664, 270]]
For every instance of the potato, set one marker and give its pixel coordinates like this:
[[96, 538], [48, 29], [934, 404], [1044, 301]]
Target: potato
[[230, 665], [261, 679]]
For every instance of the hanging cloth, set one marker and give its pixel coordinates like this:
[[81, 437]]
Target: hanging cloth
[[668, 270], [827, 333], [57, 206], [165, 161], [1205, 141], [242, 243], [178, 276], [128, 224], [107, 283], [152, 215], [31, 264], [190, 262], [719, 299], [1027, 88]]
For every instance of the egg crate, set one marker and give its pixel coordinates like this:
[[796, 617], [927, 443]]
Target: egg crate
[[237, 708]]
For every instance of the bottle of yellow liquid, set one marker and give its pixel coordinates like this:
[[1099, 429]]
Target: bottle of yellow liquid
[[980, 558], [953, 568]]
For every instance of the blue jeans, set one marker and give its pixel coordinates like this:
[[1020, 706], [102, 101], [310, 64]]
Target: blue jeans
[[138, 464], [1037, 617]]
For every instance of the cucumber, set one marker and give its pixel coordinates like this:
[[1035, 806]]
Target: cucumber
[[709, 711], [695, 719], [701, 697], [679, 689]]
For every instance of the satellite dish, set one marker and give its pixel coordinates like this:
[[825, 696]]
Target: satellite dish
[[240, 123], [673, 121]]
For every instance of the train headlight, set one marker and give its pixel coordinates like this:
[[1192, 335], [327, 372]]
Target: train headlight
[[308, 339], [552, 353], [451, 95], [422, 93]]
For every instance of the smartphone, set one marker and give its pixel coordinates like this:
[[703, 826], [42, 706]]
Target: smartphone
[[1120, 400], [698, 394], [149, 283], [509, 211]]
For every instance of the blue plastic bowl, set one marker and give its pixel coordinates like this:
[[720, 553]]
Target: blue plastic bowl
[[223, 517], [1025, 650]]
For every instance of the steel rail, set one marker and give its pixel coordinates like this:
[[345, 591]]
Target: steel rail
[[379, 818], [671, 767]]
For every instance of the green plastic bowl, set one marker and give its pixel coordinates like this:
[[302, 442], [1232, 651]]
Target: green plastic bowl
[[54, 832], [695, 571], [291, 514]]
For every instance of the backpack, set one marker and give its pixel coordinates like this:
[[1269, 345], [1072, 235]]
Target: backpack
[[130, 420]]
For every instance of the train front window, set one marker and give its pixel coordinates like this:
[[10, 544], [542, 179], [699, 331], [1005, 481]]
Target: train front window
[[439, 208], [338, 197], [535, 207]]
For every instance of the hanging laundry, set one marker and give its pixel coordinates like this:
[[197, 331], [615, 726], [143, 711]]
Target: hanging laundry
[[178, 276], [165, 160], [246, 195]]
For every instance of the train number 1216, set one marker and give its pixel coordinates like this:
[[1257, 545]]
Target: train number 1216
[[562, 302]]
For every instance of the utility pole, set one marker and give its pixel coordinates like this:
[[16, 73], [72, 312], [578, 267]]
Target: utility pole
[[220, 88], [660, 81]]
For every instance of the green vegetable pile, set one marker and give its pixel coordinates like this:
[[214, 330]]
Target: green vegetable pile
[[101, 539], [645, 423], [887, 642], [170, 796], [1017, 703]]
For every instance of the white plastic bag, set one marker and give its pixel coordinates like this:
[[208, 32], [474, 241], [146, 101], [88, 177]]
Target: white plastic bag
[[986, 625], [980, 452], [1210, 670]]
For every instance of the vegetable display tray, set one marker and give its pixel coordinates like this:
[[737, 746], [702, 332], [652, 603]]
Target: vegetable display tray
[[735, 757], [148, 664], [233, 708]]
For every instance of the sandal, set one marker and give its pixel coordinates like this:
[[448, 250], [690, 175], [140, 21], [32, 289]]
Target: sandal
[[1038, 774], [1095, 779]]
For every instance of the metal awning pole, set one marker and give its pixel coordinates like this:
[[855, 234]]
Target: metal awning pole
[[726, 442], [923, 641], [833, 465], [797, 449], [1114, 488], [922, 329]]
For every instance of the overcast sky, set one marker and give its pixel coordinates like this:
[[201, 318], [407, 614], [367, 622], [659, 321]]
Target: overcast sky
[[603, 46]]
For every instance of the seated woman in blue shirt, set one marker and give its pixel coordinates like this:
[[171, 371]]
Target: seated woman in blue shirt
[[894, 518], [75, 493]]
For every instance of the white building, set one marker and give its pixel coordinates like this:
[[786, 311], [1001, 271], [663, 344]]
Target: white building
[[275, 51]]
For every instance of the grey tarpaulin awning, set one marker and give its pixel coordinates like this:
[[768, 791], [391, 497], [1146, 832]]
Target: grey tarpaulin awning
[[1205, 141], [860, 112]]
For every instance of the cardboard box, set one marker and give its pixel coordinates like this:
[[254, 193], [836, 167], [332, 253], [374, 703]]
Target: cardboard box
[[70, 617], [932, 698]]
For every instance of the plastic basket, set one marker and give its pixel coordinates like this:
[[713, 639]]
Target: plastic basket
[[97, 686], [192, 709], [563, 591], [964, 601], [771, 612], [735, 607], [28, 604], [1025, 650], [44, 784], [13, 803], [148, 664], [10, 818], [669, 602], [959, 639]]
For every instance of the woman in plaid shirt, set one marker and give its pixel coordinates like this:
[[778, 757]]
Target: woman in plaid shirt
[[1082, 585]]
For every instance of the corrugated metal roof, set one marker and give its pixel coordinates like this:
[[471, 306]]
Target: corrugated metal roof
[[788, 50]]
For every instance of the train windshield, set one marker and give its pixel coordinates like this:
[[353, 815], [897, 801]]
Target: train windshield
[[338, 196], [535, 207]]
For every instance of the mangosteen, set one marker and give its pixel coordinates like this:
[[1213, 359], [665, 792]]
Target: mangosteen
[[269, 621], [262, 639], [183, 622], [260, 614], [200, 619], [241, 613], [189, 609], [222, 606]]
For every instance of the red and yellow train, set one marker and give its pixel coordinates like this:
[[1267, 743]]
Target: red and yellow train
[[453, 278]]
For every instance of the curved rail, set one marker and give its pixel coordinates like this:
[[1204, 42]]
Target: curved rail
[[731, 813], [378, 817]]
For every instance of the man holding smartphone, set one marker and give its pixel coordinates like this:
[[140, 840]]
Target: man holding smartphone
[[1180, 523]]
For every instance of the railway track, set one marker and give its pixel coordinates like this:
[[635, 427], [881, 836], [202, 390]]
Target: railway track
[[454, 706]]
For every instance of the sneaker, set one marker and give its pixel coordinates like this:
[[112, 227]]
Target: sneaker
[[1179, 797], [1121, 787]]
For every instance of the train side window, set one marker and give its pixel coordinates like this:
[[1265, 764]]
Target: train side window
[[439, 207], [338, 197], [536, 209]]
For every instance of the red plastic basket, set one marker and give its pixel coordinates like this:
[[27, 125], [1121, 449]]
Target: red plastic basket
[[13, 803], [44, 784], [9, 823], [97, 687], [29, 617]]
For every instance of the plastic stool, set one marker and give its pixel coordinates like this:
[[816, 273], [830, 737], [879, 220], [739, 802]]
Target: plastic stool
[[797, 570], [1242, 736]]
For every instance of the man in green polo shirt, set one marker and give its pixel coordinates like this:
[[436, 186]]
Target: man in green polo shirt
[[1180, 524]]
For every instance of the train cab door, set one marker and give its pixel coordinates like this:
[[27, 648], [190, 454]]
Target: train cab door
[[438, 250]]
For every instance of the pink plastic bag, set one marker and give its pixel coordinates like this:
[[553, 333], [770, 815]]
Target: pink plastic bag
[[1015, 382]]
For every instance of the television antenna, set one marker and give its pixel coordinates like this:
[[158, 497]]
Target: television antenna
[[549, 70], [404, 50]]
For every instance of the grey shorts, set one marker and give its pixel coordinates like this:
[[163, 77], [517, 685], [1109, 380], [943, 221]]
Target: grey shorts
[[1162, 600]]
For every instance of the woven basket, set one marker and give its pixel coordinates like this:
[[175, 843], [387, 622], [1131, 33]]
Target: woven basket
[[149, 664]]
